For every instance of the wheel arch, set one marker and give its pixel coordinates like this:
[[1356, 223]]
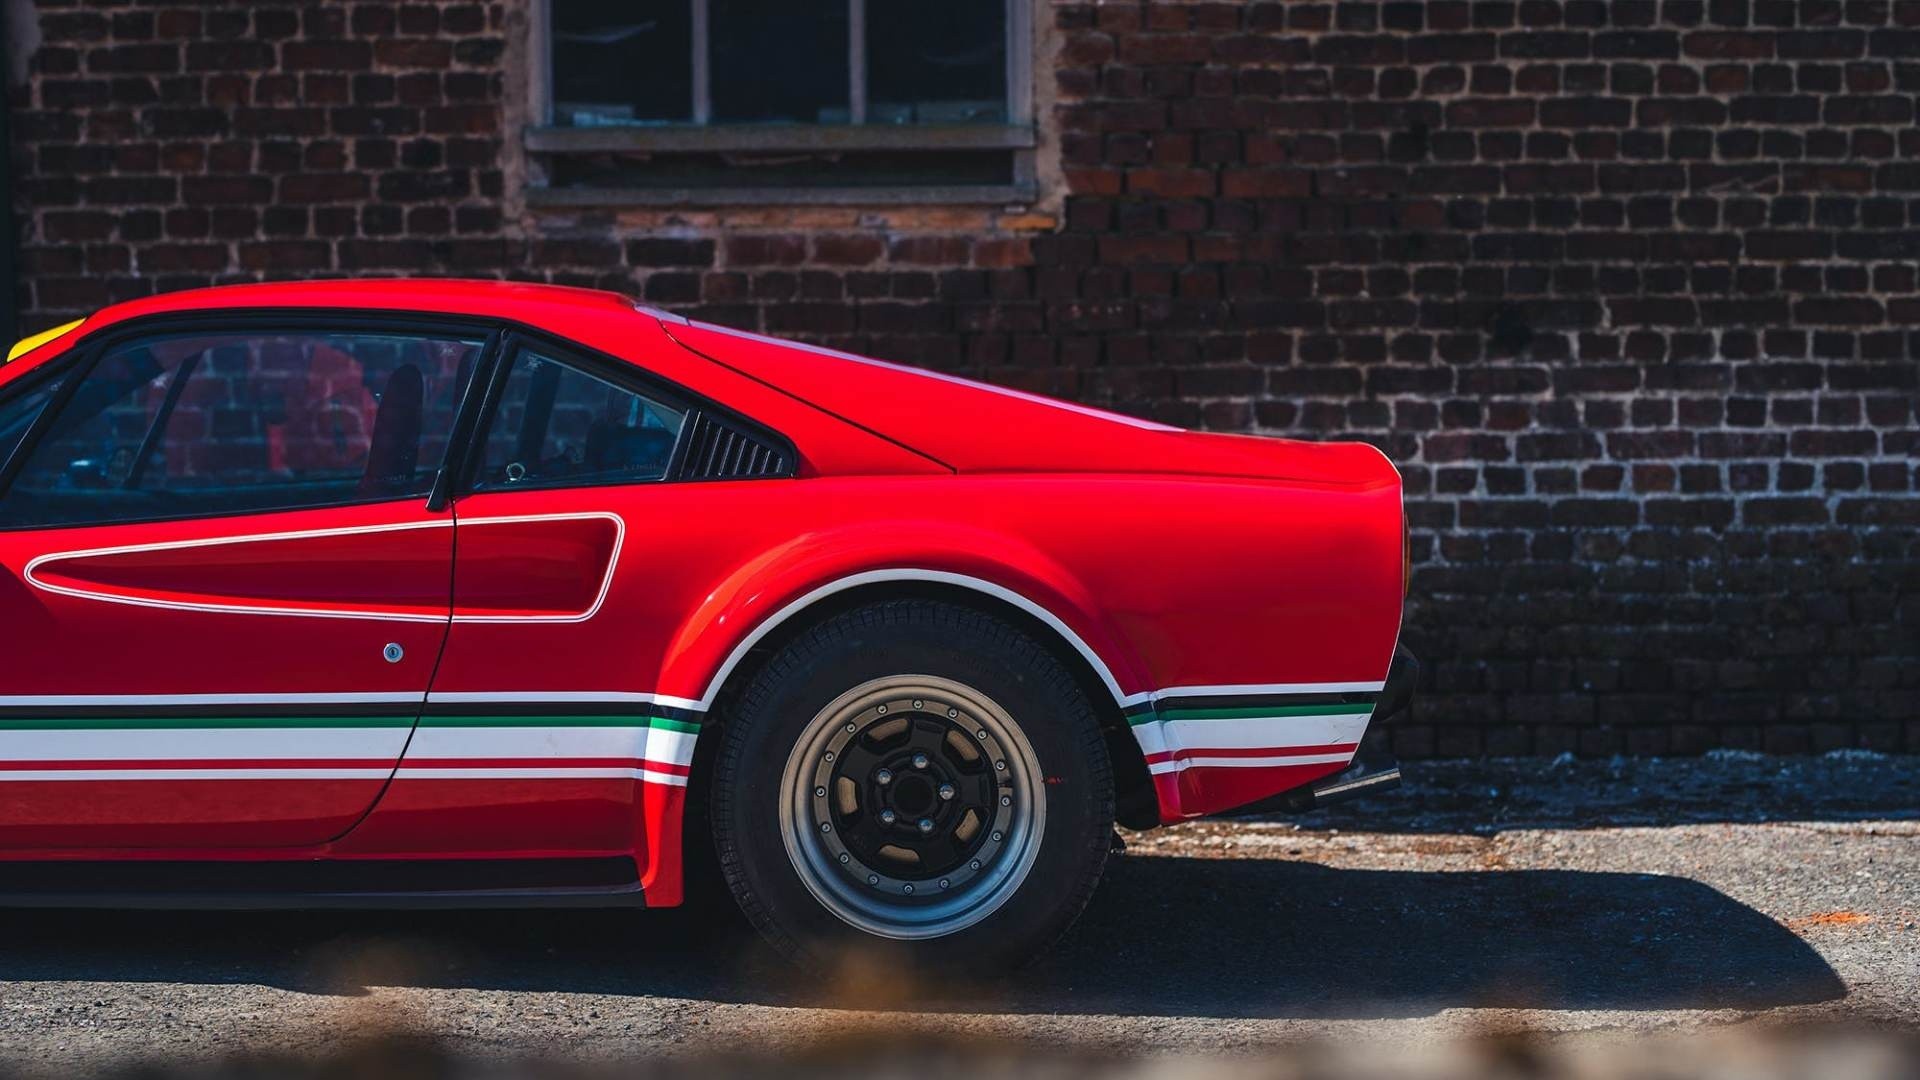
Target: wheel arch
[[1136, 803]]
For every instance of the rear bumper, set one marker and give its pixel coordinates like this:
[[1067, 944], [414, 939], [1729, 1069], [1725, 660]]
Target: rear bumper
[[1373, 769], [1214, 753]]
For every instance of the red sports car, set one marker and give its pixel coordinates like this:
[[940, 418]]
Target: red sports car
[[468, 593]]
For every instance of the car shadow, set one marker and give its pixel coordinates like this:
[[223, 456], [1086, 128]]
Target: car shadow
[[1164, 936]]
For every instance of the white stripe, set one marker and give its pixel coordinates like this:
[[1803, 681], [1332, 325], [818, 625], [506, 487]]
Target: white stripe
[[1183, 764], [606, 581], [651, 744], [1258, 733], [195, 774], [109, 700], [377, 746], [648, 775], [939, 376]]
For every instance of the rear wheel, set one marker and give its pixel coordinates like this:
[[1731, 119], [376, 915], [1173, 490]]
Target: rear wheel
[[915, 781]]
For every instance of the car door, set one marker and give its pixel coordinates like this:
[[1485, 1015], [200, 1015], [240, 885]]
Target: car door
[[222, 590], [542, 732]]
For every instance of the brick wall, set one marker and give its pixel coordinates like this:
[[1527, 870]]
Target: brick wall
[[1631, 290]]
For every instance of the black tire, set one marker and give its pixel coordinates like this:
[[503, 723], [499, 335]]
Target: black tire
[[781, 704]]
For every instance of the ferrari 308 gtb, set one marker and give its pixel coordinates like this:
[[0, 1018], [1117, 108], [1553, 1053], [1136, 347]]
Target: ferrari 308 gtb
[[464, 593]]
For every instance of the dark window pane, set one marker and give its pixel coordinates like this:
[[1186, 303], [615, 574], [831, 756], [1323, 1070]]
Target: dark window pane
[[779, 60], [936, 63], [622, 61], [17, 414], [192, 425], [555, 424]]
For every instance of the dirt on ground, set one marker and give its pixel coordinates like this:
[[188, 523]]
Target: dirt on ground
[[1566, 903]]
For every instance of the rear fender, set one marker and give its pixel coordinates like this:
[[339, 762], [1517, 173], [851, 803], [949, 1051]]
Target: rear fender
[[788, 581]]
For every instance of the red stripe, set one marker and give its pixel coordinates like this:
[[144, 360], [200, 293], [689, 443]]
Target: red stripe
[[1253, 752]]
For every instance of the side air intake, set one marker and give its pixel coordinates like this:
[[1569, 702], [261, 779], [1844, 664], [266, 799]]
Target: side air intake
[[718, 450]]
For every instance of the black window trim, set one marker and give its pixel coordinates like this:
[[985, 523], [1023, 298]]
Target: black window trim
[[72, 367]]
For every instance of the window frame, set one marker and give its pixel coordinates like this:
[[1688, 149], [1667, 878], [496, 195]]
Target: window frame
[[1018, 135]]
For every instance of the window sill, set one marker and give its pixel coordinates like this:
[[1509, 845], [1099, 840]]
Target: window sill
[[542, 197], [776, 138]]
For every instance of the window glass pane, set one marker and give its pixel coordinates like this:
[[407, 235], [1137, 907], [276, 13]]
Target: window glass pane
[[779, 60], [936, 63], [17, 414], [190, 425], [622, 61], [556, 424]]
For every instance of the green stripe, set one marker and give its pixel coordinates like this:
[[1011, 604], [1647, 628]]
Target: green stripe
[[440, 720], [1255, 712], [185, 723]]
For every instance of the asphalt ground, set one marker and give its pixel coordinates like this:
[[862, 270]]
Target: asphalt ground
[[1575, 902]]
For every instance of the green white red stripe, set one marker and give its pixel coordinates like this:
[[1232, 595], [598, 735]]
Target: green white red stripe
[[1251, 732], [176, 740]]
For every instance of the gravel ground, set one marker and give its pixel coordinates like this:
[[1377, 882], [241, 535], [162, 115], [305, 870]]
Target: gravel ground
[[1575, 899]]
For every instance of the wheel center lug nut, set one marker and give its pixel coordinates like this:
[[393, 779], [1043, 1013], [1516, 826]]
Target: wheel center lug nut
[[926, 826], [919, 761], [887, 817], [946, 792], [884, 776]]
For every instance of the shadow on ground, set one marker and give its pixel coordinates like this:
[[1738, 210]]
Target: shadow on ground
[[1164, 936]]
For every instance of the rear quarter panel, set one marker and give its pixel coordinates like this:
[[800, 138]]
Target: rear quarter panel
[[1168, 582]]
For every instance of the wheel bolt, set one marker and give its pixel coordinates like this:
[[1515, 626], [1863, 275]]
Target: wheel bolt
[[829, 755], [884, 776], [946, 792], [887, 817], [1000, 765], [944, 883], [843, 858], [926, 826], [996, 836], [826, 826], [851, 729], [919, 761], [873, 879], [883, 708], [974, 865], [819, 793], [981, 734], [916, 703], [951, 713], [906, 888], [1006, 800]]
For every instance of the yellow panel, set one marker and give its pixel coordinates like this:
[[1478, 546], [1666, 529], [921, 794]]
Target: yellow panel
[[27, 345]]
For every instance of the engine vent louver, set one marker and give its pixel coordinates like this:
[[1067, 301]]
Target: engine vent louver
[[717, 450]]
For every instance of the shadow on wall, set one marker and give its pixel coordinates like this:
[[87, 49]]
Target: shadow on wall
[[1163, 937]]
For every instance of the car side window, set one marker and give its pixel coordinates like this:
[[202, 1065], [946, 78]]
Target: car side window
[[196, 424], [555, 424]]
